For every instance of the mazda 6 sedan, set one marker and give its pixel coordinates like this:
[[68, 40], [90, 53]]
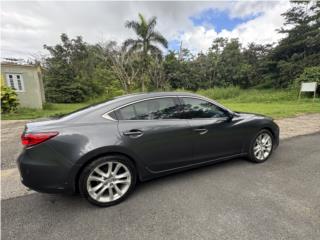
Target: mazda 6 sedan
[[103, 150]]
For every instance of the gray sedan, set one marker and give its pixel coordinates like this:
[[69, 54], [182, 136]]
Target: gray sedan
[[103, 150]]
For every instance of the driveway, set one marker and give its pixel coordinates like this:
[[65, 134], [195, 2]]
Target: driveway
[[10, 142], [278, 199]]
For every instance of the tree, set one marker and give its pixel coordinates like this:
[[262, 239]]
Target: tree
[[311, 74], [229, 64], [69, 71], [146, 43], [156, 73], [77, 70], [123, 65], [255, 56], [300, 48]]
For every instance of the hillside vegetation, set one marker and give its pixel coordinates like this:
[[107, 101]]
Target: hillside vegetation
[[257, 78], [274, 103]]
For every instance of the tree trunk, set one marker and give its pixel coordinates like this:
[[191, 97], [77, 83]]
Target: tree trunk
[[142, 83], [144, 71]]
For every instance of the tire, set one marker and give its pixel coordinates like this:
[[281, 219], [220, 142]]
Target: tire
[[260, 155], [97, 179]]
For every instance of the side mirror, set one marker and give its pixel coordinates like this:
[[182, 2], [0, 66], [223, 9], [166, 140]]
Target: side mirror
[[230, 116]]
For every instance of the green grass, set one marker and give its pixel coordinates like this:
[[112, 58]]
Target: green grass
[[53, 109], [271, 102], [275, 109], [274, 103], [236, 94]]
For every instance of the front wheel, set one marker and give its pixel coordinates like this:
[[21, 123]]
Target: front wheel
[[107, 180], [261, 147]]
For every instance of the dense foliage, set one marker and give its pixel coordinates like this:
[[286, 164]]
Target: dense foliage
[[310, 74], [301, 46], [77, 71], [9, 99]]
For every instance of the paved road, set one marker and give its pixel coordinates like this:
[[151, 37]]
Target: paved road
[[10, 142], [278, 199]]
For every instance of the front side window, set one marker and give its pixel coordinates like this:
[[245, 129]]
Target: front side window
[[161, 108], [15, 81], [197, 108]]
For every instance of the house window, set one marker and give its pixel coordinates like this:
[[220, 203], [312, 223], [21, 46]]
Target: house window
[[15, 81]]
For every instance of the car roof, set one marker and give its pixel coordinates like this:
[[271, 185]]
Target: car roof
[[100, 109], [156, 94]]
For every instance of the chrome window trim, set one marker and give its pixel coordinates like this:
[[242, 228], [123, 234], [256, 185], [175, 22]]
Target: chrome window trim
[[107, 116]]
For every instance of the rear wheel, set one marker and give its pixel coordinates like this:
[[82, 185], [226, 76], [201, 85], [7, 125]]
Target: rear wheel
[[261, 146], [107, 180]]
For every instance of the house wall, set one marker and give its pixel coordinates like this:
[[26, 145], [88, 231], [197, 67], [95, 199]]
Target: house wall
[[33, 95]]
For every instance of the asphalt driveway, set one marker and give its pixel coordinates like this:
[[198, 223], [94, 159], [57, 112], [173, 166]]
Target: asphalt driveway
[[278, 199]]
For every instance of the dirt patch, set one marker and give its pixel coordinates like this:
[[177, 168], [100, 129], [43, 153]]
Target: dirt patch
[[301, 125]]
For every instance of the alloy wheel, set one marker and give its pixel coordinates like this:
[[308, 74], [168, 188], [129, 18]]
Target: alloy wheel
[[262, 146], [108, 182]]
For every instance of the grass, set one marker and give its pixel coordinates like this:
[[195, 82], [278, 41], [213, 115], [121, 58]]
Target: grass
[[276, 109], [236, 94], [271, 102], [51, 110], [274, 103]]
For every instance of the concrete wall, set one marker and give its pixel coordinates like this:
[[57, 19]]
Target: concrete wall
[[33, 95]]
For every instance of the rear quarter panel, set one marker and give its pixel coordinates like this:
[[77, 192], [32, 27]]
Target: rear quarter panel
[[78, 143]]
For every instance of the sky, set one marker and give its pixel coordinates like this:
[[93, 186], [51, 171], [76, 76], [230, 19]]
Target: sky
[[27, 26]]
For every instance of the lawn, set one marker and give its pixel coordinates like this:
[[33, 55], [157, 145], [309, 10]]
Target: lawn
[[50, 110], [276, 109], [274, 103]]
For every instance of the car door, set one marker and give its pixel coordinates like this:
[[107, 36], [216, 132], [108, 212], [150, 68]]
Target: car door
[[214, 133], [153, 131]]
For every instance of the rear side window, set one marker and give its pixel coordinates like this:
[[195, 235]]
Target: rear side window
[[197, 108], [161, 108], [127, 113]]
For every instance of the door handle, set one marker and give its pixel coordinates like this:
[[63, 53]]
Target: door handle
[[201, 131], [133, 133]]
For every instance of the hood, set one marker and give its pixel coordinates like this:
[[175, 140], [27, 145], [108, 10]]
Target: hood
[[253, 115]]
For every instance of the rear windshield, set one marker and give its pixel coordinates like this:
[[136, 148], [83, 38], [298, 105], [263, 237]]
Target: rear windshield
[[84, 110], [92, 107]]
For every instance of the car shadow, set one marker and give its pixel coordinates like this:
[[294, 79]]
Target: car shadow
[[188, 175], [145, 188], [141, 187]]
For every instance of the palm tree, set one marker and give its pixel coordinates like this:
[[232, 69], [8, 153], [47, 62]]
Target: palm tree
[[147, 42]]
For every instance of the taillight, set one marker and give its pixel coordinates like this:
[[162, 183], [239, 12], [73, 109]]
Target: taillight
[[30, 139]]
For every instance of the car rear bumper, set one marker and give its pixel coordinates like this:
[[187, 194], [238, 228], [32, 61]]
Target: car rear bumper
[[44, 175]]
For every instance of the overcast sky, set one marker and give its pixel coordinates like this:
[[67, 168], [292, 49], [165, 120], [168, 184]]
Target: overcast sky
[[27, 26]]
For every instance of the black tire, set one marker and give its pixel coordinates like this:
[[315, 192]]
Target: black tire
[[105, 159], [251, 155]]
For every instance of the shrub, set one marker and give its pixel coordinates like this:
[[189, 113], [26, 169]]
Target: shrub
[[236, 94], [9, 100], [310, 74], [221, 93]]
